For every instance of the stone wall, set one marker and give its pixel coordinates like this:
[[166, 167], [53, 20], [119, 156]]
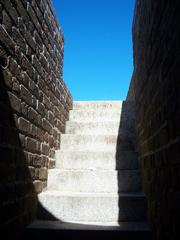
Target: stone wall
[[34, 104], [156, 38]]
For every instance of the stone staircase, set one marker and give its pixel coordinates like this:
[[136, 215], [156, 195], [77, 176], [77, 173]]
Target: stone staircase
[[96, 180]]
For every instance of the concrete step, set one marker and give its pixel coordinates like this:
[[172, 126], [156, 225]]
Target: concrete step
[[110, 127], [96, 115], [96, 142], [105, 181], [48, 230], [93, 207], [96, 160], [97, 105]]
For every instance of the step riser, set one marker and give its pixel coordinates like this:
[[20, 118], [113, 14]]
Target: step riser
[[96, 160], [92, 128], [94, 181], [49, 234], [93, 142], [100, 128], [48, 230], [94, 114], [88, 116], [94, 209], [97, 105]]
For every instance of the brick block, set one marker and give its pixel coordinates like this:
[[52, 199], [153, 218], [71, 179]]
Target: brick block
[[46, 125], [31, 144], [34, 116], [24, 125], [25, 95], [45, 149], [38, 185], [15, 102], [43, 173], [17, 37]]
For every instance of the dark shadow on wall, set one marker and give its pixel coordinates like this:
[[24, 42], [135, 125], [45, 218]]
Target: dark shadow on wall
[[131, 206], [18, 199]]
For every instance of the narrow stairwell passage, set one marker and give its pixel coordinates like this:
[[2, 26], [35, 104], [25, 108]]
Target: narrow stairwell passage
[[96, 183]]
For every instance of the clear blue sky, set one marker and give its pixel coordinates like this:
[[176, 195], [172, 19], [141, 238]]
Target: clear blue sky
[[98, 60]]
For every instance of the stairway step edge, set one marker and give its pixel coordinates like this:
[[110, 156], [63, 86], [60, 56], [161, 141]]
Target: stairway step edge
[[89, 194], [56, 170], [91, 226], [92, 151]]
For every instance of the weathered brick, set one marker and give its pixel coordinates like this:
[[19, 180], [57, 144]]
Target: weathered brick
[[34, 116], [31, 144], [46, 125], [32, 53], [45, 149], [14, 102], [24, 125], [40, 108], [43, 173], [34, 88], [17, 37], [38, 186], [26, 66], [32, 172], [7, 22], [155, 78], [24, 109], [7, 40], [25, 95], [36, 63]]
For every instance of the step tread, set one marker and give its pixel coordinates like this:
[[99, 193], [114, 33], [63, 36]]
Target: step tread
[[86, 194], [56, 170], [105, 151]]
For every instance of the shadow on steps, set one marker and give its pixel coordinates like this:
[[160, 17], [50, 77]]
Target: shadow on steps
[[47, 230]]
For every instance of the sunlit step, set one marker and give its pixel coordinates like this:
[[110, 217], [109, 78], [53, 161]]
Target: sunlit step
[[110, 127], [94, 180], [97, 105], [93, 207], [95, 115], [96, 160], [93, 142]]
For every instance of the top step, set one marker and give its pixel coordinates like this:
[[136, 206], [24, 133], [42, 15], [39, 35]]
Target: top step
[[93, 105]]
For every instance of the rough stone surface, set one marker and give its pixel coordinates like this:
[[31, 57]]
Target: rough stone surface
[[108, 181], [31, 91], [94, 169], [156, 38], [96, 160], [94, 207]]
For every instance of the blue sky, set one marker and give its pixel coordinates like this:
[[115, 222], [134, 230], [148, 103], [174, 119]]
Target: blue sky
[[98, 60]]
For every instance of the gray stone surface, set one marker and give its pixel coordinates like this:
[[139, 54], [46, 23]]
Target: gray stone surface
[[100, 127], [96, 105], [96, 177], [107, 181], [95, 115], [95, 142], [94, 207], [96, 160]]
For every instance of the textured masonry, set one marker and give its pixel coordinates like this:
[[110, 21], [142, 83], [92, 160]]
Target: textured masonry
[[34, 104], [156, 38]]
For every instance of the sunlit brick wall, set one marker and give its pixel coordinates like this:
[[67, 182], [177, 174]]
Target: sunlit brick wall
[[34, 103]]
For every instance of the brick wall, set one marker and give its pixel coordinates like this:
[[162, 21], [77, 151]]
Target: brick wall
[[156, 38], [34, 104], [131, 93]]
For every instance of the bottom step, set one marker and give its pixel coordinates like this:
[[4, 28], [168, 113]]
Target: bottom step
[[48, 230], [94, 207]]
